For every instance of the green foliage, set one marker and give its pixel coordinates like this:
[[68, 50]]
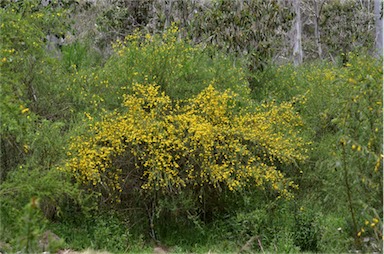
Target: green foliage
[[260, 31], [51, 187], [31, 237], [100, 231], [306, 232], [251, 223], [194, 165], [13, 49], [180, 69], [33, 224], [342, 108], [254, 29], [28, 75], [355, 26], [284, 242], [79, 55], [333, 236], [111, 226]]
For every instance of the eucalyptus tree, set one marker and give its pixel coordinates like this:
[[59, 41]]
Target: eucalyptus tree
[[379, 26], [347, 26], [297, 46]]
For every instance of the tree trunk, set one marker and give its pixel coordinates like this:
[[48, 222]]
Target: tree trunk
[[168, 12], [379, 27], [297, 49], [317, 9]]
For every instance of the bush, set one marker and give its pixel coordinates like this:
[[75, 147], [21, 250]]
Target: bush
[[178, 68], [201, 145], [172, 143], [342, 111], [306, 231], [99, 230], [284, 242], [29, 79], [198, 141], [79, 55], [46, 193], [333, 234]]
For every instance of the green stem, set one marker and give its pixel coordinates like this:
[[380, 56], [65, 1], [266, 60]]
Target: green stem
[[29, 218], [349, 194]]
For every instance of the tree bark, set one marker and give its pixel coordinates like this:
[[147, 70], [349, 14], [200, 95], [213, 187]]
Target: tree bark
[[379, 27], [168, 12], [297, 48], [317, 10]]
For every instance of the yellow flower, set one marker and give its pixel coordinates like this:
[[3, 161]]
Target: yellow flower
[[175, 143], [26, 148], [23, 109]]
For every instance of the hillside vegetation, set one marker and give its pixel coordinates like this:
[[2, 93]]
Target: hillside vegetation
[[187, 133]]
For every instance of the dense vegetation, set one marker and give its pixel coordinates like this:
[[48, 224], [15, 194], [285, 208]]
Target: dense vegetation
[[143, 132]]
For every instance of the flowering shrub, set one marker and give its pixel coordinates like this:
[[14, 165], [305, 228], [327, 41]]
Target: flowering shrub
[[26, 69], [343, 112], [170, 145]]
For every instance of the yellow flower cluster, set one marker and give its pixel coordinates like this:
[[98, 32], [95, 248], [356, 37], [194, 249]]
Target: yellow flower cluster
[[369, 225], [201, 141], [23, 109]]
